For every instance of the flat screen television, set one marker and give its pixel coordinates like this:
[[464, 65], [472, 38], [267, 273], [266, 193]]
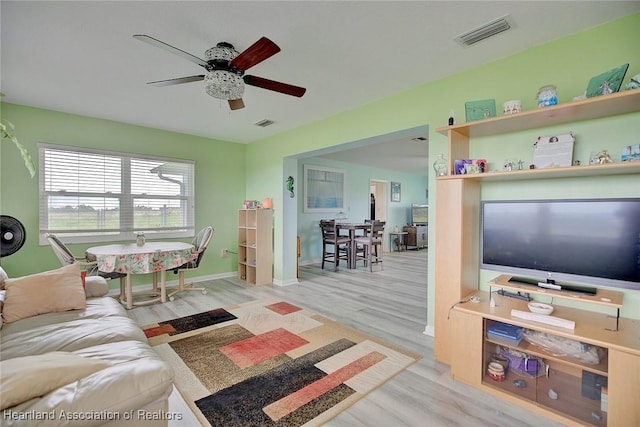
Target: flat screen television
[[594, 241], [419, 214]]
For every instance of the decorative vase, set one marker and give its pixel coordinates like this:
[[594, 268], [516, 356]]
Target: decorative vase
[[547, 96], [140, 239], [440, 165]]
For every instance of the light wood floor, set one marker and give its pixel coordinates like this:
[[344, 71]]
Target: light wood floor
[[389, 304]]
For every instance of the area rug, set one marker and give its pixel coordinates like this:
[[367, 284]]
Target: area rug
[[272, 363]]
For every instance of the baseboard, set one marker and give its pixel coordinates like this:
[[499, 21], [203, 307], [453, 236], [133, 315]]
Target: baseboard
[[277, 282], [429, 330]]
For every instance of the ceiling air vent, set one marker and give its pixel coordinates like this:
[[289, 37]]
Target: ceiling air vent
[[485, 31], [264, 123]]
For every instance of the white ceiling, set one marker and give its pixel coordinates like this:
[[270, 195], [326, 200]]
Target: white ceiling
[[79, 56]]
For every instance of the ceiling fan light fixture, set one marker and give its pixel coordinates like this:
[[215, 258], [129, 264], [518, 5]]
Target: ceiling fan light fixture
[[223, 84], [223, 51]]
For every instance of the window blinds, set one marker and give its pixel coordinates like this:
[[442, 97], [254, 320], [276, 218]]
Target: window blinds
[[90, 195]]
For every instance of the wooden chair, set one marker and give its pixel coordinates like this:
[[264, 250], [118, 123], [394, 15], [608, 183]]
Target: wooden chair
[[200, 241], [371, 243], [331, 239]]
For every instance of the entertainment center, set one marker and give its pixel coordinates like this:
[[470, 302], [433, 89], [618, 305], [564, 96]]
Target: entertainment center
[[563, 392]]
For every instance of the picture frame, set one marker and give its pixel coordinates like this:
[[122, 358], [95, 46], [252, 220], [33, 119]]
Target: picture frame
[[608, 82], [553, 151], [324, 189], [395, 191], [478, 110]]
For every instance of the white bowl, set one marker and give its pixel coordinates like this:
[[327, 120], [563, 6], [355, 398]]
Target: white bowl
[[540, 308]]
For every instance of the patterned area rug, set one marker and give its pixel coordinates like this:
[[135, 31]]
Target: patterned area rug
[[271, 363]]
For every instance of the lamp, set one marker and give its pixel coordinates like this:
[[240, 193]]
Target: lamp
[[219, 82], [223, 84]]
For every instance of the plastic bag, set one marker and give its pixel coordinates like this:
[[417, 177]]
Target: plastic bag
[[523, 364], [565, 347]]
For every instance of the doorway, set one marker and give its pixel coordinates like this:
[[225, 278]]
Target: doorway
[[378, 195]]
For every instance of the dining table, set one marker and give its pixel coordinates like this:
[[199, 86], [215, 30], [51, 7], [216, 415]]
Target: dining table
[[151, 257], [352, 229]]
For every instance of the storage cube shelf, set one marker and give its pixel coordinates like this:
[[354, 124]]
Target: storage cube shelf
[[255, 246]]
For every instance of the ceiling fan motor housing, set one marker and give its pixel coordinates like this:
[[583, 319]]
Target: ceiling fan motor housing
[[221, 55]]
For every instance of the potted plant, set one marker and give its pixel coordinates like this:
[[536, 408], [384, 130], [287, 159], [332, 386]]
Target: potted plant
[[7, 130]]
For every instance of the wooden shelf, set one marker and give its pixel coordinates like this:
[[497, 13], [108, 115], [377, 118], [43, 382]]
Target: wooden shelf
[[626, 168], [602, 297], [591, 327], [586, 109]]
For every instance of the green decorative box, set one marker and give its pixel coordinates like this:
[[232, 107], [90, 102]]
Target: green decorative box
[[478, 110]]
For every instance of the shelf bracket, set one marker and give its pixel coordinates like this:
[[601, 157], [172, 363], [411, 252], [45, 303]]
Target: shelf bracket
[[617, 321]]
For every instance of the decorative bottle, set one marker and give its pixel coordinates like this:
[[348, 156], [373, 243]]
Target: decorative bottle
[[140, 239], [440, 165]]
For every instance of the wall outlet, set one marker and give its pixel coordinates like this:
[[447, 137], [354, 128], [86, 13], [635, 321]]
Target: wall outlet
[[224, 253]]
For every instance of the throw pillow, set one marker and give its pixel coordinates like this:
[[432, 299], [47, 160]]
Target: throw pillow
[[23, 378], [48, 292]]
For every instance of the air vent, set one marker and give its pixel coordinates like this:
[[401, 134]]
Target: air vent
[[264, 123], [485, 31], [419, 138]]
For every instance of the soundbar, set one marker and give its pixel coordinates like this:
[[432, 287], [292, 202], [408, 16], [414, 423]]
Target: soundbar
[[553, 285], [543, 318]]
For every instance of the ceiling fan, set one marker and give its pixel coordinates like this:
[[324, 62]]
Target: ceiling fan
[[225, 67]]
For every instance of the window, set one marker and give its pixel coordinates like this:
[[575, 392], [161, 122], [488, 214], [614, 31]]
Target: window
[[95, 196], [323, 189]]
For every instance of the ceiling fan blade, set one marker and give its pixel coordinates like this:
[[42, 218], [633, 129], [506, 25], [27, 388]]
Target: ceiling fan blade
[[275, 86], [236, 104], [254, 54], [180, 80], [162, 45]]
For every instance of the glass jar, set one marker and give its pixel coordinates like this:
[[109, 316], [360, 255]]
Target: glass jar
[[140, 239], [547, 96], [440, 166]]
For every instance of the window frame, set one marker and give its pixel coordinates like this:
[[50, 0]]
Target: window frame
[[126, 231]]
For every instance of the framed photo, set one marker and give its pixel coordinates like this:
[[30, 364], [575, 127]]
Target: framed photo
[[553, 151], [395, 191], [478, 110], [608, 82], [324, 189]]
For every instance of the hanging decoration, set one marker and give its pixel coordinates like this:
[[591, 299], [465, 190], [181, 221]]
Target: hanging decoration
[[290, 187]]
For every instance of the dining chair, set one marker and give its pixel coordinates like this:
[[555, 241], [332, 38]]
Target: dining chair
[[371, 243], [200, 242], [67, 257], [331, 239]]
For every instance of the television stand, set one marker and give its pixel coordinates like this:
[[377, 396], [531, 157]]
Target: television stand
[[601, 297]]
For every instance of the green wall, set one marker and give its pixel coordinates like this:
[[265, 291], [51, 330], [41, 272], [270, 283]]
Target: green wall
[[568, 63], [219, 179], [228, 173]]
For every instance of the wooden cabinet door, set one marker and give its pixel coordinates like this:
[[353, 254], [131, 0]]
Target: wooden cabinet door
[[466, 347], [624, 389]]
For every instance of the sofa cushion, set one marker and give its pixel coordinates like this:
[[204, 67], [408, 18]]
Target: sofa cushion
[[135, 377], [103, 321], [48, 292], [95, 286], [24, 378]]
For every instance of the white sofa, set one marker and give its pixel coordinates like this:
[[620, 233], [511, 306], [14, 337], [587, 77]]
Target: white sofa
[[132, 388]]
